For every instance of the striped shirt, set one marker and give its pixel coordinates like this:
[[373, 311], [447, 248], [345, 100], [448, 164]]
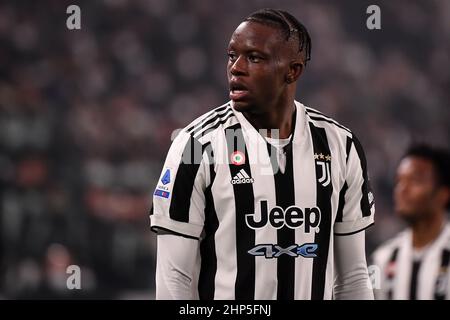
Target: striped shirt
[[264, 233], [409, 275]]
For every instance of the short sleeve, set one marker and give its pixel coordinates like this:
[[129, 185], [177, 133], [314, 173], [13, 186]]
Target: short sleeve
[[356, 207], [178, 199]]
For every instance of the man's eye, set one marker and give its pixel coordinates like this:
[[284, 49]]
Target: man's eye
[[231, 56], [254, 58]]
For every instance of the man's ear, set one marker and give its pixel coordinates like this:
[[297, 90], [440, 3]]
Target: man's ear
[[295, 70]]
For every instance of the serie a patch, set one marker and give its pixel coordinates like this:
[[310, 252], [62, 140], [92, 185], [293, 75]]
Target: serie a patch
[[162, 193]]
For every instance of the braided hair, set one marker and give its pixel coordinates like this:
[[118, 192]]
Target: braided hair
[[287, 24]]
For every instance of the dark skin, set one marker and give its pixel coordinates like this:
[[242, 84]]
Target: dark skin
[[262, 70], [420, 200]]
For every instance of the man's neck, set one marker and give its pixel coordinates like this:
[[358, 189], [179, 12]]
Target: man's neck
[[426, 231], [280, 118]]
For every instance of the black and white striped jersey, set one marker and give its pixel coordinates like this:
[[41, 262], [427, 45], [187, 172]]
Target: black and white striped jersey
[[264, 233], [406, 274]]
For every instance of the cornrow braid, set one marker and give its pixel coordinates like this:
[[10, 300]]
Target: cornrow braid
[[288, 24]]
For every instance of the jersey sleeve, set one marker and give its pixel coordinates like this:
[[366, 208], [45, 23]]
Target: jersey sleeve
[[178, 199], [356, 207]]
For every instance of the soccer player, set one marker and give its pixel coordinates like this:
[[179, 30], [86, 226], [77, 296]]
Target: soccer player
[[263, 198], [415, 264]]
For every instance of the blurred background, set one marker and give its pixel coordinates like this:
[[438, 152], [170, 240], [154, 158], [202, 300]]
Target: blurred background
[[86, 118]]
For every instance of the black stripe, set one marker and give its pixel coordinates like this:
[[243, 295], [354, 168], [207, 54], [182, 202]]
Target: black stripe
[[327, 120], [354, 232], [245, 204], [157, 229], [212, 112], [310, 110], [340, 210], [314, 111], [285, 197], [205, 124], [222, 121], [348, 147], [414, 275], [208, 269], [323, 201], [441, 286], [365, 188], [184, 181], [391, 275], [210, 154]]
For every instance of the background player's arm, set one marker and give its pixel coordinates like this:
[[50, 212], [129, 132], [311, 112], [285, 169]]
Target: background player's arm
[[175, 268]]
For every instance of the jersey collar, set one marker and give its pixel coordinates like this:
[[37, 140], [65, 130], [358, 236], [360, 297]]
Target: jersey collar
[[299, 130]]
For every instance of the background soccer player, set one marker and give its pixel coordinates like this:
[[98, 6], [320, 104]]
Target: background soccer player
[[415, 264], [229, 230]]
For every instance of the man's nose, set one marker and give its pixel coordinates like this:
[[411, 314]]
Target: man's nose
[[238, 67]]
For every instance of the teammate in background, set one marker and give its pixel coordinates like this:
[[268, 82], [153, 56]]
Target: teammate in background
[[228, 228], [415, 264]]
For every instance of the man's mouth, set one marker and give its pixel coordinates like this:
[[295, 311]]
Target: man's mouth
[[237, 91]]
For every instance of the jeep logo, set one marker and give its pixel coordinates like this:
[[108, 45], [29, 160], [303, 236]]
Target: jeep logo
[[292, 217]]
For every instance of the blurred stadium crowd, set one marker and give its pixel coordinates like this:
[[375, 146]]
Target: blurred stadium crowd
[[86, 118]]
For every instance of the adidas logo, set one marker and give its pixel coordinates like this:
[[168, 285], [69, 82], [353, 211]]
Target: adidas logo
[[241, 177]]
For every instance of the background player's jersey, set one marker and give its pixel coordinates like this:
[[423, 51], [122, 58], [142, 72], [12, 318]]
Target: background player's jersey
[[265, 233], [406, 274]]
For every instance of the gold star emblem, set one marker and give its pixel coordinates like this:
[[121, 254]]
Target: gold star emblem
[[316, 156], [321, 156], [328, 157]]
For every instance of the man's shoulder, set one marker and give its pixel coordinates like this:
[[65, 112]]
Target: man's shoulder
[[203, 127], [320, 119], [210, 120]]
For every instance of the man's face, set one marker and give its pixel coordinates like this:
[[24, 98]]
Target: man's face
[[415, 189], [258, 60]]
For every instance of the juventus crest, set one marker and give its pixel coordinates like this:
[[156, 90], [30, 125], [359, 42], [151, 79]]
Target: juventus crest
[[324, 162]]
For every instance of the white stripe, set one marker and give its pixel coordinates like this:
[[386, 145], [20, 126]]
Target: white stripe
[[429, 268], [337, 180], [244, 173], [239, 175], [266, 281], [305, 197], [403, 269]]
